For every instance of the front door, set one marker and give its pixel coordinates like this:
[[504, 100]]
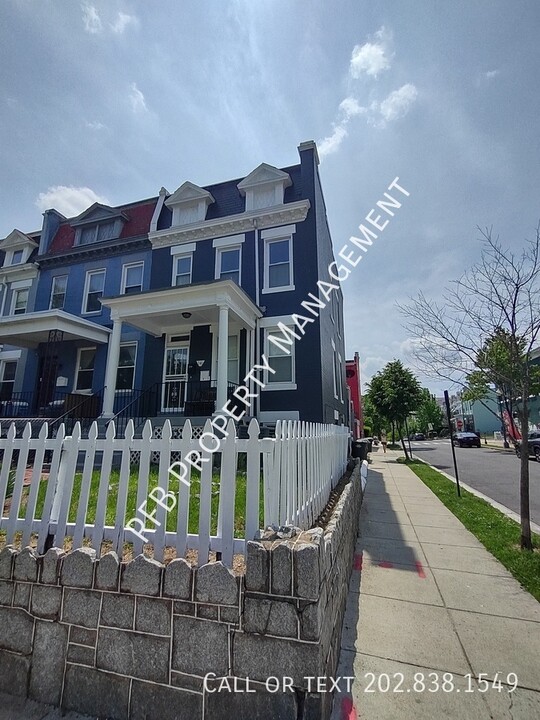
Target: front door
[[175, 378]]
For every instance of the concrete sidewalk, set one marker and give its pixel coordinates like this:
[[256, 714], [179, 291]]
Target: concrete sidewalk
[[427, 597]]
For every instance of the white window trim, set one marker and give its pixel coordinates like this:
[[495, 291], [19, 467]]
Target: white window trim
[[267, 240], [340, 378], [334, 370], [23, 256], [54, 278], [231, 240], [86, 288], [176, 257], [139, 263], [14, 294], [124, 344], [268, 384], [227, 248], [21, 284], [78, 367], [184, 249]]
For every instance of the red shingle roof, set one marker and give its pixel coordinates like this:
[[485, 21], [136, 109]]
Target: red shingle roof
[[137, 224]]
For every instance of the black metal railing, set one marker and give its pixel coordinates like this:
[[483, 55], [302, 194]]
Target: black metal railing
[[31, 404], [79, 408], [187, 398]]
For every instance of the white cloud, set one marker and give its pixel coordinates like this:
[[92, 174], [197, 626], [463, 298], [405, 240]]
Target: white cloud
[[398, 103], [372, 58], [92, 21], [122, 21], [331, 143], [136, 98], [94, 125], [351, 107], [70, 201], [491, 74]]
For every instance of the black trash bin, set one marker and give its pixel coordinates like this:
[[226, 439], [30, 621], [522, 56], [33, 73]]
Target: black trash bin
[[360, 449]]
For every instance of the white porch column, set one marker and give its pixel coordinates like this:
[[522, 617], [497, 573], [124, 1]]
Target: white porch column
[[251, 361], [223, 354], [113, 356]]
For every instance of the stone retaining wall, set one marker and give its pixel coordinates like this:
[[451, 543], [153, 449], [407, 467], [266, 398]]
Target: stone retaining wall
[[136, 640]]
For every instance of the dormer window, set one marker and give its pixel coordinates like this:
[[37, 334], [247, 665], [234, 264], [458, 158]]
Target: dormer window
[[17, 248], [189, 204], [264, 187], [98, 233], [97, 224]]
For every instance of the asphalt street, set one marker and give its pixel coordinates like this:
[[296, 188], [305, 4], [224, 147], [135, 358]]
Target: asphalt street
[[493, 472]]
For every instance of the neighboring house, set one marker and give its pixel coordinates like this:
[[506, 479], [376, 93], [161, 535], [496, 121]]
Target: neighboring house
[[476, 416], [18, 273], [159, 308], [355, 392]]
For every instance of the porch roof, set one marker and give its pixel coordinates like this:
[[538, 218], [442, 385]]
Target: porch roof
[[31, 329], [160, 311]]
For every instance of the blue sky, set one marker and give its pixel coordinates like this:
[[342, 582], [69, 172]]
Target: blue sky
[[111, 100]]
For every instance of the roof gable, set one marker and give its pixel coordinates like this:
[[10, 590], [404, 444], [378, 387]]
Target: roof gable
[[17, 239], [97, 213], [264, 174], [189, 192]]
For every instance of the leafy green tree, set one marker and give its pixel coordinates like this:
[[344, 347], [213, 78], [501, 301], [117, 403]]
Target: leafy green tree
[[485, 333], [429, 413], [395, 393]]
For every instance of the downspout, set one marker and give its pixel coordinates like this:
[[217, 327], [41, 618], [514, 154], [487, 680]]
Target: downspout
[[257, 302], [4, 286]]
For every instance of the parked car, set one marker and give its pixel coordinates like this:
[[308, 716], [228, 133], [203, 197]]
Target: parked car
[[534, 446], [419, 436], [466, 439]]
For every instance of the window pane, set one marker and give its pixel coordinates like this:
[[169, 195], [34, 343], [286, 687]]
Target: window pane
[[234, 276], [124, 378], [183, 265], [278, 252], [106, 231], [87, 235], [92, 302], [278, 275], [10, 369], [230, 260], [87, 358], [232, 371], [127, 355], [233, 347], [134, 276], [96, 282], [85, 373], [282, 367], [17, 257], [21, 298]]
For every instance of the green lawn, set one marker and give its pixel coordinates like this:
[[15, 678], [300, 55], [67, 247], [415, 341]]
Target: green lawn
[[240, 500], [499, 534]]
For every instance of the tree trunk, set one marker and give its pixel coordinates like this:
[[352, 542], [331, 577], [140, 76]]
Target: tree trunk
[[403, 443], [393, 433], [526, 540]]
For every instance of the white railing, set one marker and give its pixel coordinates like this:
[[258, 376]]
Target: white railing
[[89, 488]]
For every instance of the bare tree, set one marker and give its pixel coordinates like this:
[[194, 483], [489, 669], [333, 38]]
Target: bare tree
[[497, 301]]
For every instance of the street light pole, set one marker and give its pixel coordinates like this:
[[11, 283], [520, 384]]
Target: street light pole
[[447, 403]]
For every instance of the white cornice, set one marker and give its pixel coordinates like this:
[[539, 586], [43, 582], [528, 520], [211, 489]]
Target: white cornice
[[18, 272], [285, 214]]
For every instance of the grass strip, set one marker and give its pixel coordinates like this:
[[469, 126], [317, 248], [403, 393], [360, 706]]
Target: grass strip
[[498, 533]]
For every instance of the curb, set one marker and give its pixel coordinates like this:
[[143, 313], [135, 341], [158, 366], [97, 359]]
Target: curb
[[502, 508]]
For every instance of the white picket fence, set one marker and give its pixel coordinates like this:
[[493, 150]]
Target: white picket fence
[[295, 471]]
